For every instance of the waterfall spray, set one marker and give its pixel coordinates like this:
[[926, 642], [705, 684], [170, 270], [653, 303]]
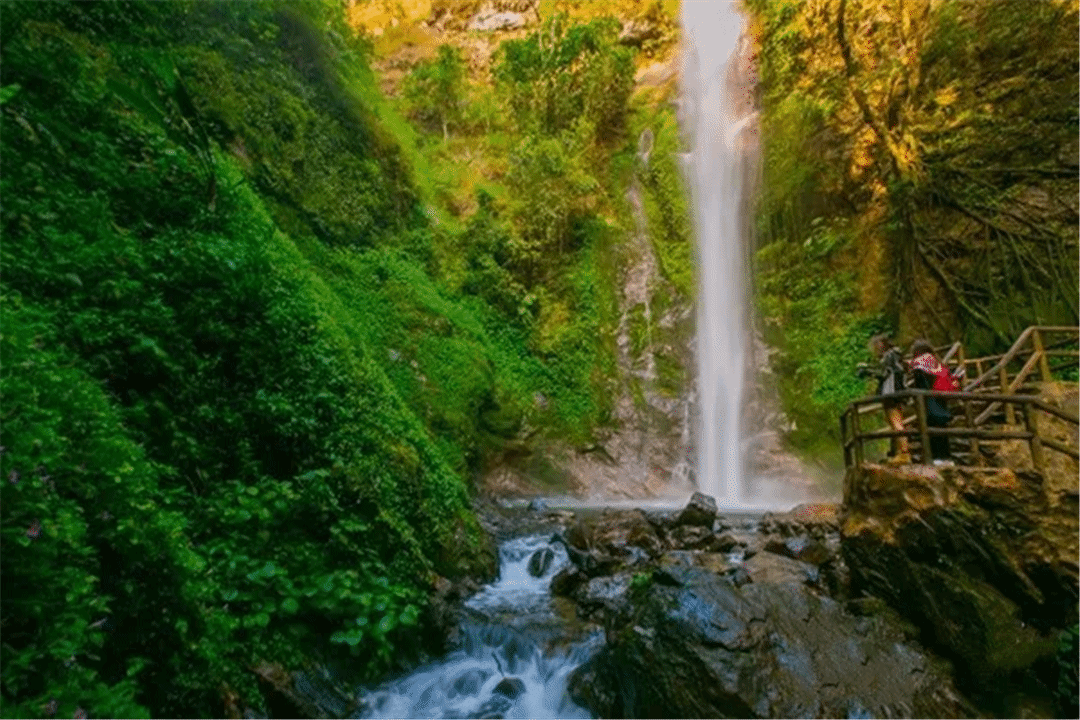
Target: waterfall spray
[[714, 111]]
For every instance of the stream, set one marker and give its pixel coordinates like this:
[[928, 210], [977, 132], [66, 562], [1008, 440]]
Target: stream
[[513, 656]]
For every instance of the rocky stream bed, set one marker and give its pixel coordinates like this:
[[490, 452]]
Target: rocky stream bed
[[931, 592]]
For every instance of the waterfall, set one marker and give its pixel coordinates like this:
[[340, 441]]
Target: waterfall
[[715, 109]]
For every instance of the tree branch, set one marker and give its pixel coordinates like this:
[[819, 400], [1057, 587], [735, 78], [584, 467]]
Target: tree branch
[[974, 312]]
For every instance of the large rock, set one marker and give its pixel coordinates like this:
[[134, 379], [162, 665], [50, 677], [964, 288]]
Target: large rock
[[700, 510], [700, 646], [982, 561], [616, 533]]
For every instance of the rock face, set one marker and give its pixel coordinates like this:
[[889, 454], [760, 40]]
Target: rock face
[[982, 561], [692, 632], [699, 646]]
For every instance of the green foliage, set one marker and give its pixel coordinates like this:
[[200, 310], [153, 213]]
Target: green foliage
[[93, 550], [809, 313], [433, 90], [239, 407], [665, 197], [563, 74], [207, 466], [552, 189]]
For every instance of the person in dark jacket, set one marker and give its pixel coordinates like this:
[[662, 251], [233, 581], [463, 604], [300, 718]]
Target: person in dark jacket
[[890, 376]]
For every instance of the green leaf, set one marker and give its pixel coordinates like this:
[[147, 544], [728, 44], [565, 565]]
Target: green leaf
[[9, 91]]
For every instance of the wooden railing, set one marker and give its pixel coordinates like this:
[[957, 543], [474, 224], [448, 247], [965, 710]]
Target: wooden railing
[[1042, 348], [971, 406]]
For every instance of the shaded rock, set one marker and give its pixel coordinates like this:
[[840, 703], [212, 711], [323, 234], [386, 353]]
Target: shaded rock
[[767, 567], [684, 558], [700, 646], [312, 693], [693, 537], [567, 581], [607, 593], [982, 560], [714, 562], [613, 532], [699, 510], [540, 561], [800, 547], [726, 542], [510, 687], [538, 505]]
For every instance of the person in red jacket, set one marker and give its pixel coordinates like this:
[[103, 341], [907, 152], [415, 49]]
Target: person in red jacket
[[929, 373]]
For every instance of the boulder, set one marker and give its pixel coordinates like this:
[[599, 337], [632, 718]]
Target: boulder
[[726, 542], [800, 547], [614, 533], [693, 537], [700, 510], [491, 20], [768, 567], [698, 645], [983, 561], [567, 581], [605, 593], [541, 561], [510, 687]]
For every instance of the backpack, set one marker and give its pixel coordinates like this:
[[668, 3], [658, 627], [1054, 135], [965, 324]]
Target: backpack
[[944, 381]]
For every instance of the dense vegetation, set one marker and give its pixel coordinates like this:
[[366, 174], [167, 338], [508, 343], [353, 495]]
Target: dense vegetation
[[920, 178], [250, 360]]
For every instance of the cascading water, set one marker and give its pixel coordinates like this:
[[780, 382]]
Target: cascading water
[[513, 661], [713, 113]]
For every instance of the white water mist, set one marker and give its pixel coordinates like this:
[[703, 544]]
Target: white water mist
[[713, 112]]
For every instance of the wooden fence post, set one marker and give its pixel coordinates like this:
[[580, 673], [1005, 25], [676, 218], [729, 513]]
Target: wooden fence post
[[976, 456], [1032, 425], [924, 431], [1010, 413], [1040, 349], [856, 436]]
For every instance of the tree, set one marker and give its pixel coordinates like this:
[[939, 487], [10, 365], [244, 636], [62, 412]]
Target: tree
[[433, 90]]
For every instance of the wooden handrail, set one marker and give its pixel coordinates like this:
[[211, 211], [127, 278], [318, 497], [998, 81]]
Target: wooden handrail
[[1011, 353], [1028, 405]]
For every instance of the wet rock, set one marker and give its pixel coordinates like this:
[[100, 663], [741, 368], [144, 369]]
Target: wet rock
[[693, 537], [700, 510], [814, 515], [613, 532], [684, 558], [767, 567], [537, 505], [607, 593], [567, 581], [510, 687], [494, 708], [541, 561], [698, 645], [800, 547], [714, 562], [469, 682], [303, 694], [982, 560], [726, 542]]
